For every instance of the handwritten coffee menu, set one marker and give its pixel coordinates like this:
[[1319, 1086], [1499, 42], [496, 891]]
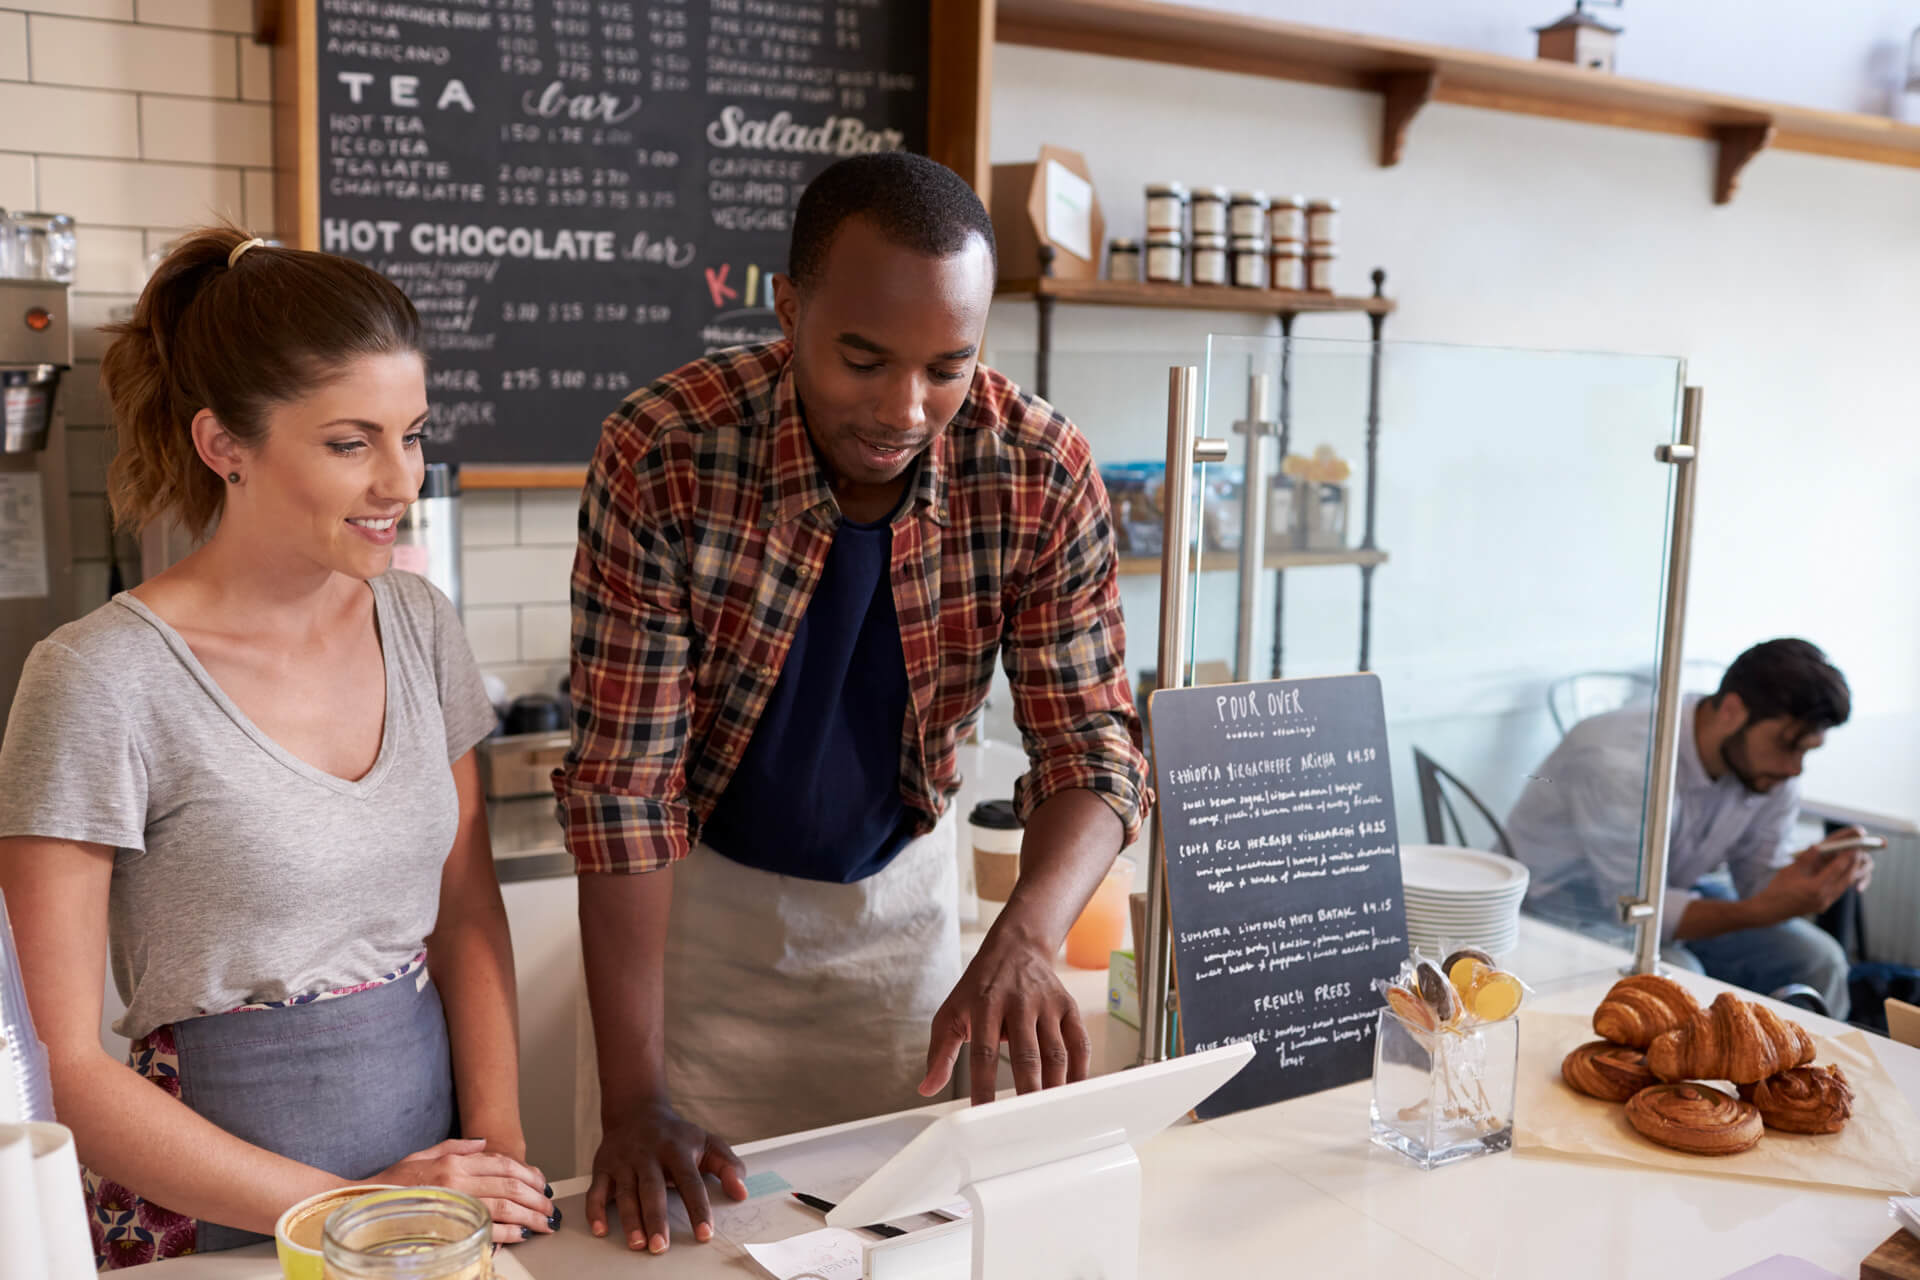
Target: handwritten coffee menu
[[1283, 876], [581, 195]]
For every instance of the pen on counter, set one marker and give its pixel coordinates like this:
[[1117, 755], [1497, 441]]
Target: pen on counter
[[826, 1206]]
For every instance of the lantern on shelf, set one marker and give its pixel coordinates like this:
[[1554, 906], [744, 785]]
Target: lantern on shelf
[[1580, 38]]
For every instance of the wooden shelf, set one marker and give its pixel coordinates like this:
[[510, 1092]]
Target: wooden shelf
[[1186, 297], [481, 475], [1408, 75], [1220, 561]]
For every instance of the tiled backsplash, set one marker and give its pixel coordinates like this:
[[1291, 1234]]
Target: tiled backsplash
[[516, 557], [139, 118]]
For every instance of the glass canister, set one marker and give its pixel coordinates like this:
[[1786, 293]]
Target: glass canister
[[1123, 260], [1209, 259], [1167, 257], [44, 246], [1287, 218], [1209, 211], [1247, 214], [413, 1233], [1166, 208], [1323, 221], [1446, 1095], [1288, 263], [1249, 262]]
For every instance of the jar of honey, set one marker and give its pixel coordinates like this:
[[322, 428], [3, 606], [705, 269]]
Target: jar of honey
[[410, 1233]]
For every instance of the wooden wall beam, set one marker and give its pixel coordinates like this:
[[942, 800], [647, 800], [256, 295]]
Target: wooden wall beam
[[296, 120], [1738, 145], [959, 84], [1401, 97]]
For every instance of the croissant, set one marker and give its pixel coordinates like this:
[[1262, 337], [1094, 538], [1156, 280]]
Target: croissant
[[1642, 1007], [1609, 1072], [1803, 1100], [1734, 1040], [1695, 1118]]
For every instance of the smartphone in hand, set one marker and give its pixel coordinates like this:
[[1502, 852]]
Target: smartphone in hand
[[1827, 850]]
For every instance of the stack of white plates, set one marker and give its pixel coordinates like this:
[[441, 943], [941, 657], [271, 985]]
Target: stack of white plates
[[1461, 898]]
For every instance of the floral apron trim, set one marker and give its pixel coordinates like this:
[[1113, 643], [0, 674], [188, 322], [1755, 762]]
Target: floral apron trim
[[128, 1230]]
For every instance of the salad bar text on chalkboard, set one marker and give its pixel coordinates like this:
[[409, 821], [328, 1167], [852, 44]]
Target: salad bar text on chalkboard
[[582, 195], [1283, 876]]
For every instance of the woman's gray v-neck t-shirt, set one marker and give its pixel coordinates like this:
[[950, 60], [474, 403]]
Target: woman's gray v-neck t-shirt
[[242, 874]]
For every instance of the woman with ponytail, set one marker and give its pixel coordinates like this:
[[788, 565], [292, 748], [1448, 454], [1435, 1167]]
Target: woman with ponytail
[[251, 779]]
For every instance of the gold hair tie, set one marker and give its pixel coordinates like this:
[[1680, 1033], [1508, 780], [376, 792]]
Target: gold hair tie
[[241, 248]]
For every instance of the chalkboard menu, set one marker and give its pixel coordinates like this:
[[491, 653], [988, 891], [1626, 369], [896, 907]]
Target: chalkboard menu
[[581, 195], [1283, 876]]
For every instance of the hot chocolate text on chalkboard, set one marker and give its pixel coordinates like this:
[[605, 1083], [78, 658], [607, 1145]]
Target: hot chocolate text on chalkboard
[[582, 195]]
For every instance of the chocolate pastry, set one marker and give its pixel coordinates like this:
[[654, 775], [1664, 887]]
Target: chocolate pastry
[[1607, 1071], [1734, 1040], [1803, 1100], [1695, 1118], [1643, 1007]]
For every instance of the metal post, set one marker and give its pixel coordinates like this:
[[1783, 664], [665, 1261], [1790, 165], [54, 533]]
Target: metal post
[[1286, 443], [1644, 912], [1259, 431], [1184, 449], [1377, 320]]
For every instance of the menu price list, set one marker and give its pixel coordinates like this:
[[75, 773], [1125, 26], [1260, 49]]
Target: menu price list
[[1283, 876], [582, 195]]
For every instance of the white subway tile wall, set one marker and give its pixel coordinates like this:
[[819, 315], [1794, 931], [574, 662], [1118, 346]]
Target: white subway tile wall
[[13, 46], [139, 118], [516, 561]]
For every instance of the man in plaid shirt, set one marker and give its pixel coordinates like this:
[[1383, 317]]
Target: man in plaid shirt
[[797, 565]]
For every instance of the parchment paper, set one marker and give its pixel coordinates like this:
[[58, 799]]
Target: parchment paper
[[1878, 1151]]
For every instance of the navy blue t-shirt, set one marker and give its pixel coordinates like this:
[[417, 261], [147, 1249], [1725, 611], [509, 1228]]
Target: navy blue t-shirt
[[817, 792]]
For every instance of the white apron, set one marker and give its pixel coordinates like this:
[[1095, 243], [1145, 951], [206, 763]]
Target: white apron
[[793, 1004]]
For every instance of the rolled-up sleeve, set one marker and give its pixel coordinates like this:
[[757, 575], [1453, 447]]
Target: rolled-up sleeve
[[622, 788], [1065, 656]]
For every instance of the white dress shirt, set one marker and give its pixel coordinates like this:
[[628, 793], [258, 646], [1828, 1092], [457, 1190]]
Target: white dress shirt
[[1577, 825]]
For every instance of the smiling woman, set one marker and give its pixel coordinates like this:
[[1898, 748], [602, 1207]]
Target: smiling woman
[[251, 782]]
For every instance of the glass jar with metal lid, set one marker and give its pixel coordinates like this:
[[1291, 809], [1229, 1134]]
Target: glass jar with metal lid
[[1323, 217], [1247, 214], [1166, 207], [1287, 219], [1123, 260], [1209, 211], [1320, 267], [1250, 262], [1167, 257], [1287, 265], [411, 1233], [1209, 259]]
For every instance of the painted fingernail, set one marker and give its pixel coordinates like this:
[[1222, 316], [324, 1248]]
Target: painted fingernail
[[548, 1191], [526, 1233], [657, 1245], [553, 1223]]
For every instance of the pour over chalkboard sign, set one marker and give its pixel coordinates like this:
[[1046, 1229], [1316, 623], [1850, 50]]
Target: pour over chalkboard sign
[[1283, 876], [582, 195]]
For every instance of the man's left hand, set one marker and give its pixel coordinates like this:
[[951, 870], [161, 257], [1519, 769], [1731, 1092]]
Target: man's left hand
[[1009, 993]]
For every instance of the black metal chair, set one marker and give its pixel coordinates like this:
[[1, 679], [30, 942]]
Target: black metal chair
[[1437, 788]]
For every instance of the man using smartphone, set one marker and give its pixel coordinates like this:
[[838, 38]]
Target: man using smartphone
[[1737, 897]]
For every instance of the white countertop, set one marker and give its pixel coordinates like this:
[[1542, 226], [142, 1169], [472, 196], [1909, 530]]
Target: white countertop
[[1298, 1183]]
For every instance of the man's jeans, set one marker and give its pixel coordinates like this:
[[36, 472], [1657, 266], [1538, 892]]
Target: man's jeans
[[1764, 960]]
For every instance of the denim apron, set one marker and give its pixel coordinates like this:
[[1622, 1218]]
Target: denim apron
[[348, 1083]]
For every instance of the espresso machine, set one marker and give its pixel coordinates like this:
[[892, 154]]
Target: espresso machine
[[36, 553]]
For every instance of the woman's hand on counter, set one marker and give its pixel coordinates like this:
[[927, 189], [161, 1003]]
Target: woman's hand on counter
[[649, 1147], [513, 1192]]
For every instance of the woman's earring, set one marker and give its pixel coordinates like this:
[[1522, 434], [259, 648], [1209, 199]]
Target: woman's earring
[[233, 477]]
